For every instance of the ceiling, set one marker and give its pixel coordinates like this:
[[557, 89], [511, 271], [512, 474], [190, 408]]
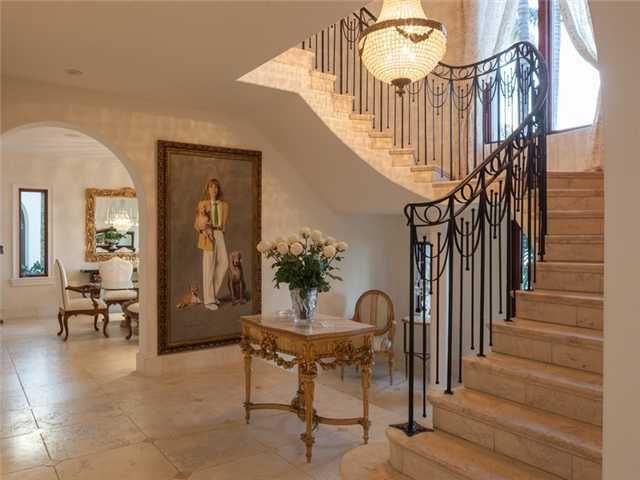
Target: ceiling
[[55, 142], [187, 52]]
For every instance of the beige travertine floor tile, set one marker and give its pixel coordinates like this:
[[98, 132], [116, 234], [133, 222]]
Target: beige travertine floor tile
[[40, 473], [13, 400], [9, 381], [61, 392], [22, 452], [205, 449], [16, 422], [264, 466], [82, 410], [142, 461], [93, 436]]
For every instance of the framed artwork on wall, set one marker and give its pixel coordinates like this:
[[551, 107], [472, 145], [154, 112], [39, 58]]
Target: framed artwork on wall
[[209, 222]]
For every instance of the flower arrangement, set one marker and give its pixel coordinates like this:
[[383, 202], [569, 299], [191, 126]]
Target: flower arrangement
[[306, 262]]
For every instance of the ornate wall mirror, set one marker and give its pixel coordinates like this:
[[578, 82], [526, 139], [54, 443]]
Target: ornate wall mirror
[[111, 224]]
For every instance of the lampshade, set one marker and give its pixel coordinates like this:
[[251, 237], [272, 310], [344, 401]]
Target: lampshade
[[403, 45]]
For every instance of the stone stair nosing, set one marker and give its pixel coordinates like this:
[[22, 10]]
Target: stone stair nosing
[[560, 390], [561, 345], [573, 276], [578, 222], [438, 455], [574, 248], [575, 180], [574, 309], [556, 444]]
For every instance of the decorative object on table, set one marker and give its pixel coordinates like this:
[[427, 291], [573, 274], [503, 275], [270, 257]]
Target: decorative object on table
[[403, 45], [116, 282], [306, 262], [111, 219], [375, 308], [332, 343], [208, 224], [90, 304]]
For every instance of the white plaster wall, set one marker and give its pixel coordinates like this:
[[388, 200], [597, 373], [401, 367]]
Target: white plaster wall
[[130, 128], [67, 179], [616, 28]]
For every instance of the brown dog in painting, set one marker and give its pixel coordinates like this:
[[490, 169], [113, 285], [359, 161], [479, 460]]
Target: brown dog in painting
[[190, 298], [237, 285]]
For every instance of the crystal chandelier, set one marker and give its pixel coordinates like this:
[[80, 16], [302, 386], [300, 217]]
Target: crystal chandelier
[[403, 45], [120, 219]]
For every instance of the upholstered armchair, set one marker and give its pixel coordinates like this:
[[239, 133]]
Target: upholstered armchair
[[116, 282], [376, 308], [89, 304]]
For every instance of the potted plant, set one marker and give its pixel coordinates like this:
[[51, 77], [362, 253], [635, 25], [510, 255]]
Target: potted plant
[[306, 262]]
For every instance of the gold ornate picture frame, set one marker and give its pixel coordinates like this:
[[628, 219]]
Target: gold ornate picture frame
[[90, 221], [198, 310]]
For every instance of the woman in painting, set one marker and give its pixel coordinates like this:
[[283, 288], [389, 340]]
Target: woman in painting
[[211, 219]]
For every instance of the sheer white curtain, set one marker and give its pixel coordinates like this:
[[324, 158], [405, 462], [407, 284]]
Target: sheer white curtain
[[577, 21], [496, 24]]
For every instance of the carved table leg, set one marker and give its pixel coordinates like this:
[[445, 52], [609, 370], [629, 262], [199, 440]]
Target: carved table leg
[[247, 387], [308, 376], [366, 379]]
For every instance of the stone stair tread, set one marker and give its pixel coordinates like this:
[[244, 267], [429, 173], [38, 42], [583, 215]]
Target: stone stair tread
[[379, 134], [581, 238], [466, 459], [578, 438], [561, 296], [369, 462], [575, 213], [576, 192], [551, 332], [594, 267], [578, 381], [560, 174]]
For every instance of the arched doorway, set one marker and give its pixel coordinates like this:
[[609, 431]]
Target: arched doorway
[[65, 162]]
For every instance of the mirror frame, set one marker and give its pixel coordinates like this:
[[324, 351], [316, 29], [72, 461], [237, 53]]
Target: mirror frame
[[90, 222]]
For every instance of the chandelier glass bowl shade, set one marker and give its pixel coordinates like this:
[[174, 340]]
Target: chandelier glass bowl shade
[[403, 45]]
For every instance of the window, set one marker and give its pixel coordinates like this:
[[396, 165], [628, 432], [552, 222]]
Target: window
[[33, 233], [574, 81]]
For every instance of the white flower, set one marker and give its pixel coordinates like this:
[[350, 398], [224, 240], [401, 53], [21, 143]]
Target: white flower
[[264, 247], [342, 246], [331, 241], [305, 232], [317, 237], [296, 248], [292, 239], [329, 251], [283, 248], [279, 240]]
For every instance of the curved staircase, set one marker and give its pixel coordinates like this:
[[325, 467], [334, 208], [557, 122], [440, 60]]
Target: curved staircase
[[532, 408]]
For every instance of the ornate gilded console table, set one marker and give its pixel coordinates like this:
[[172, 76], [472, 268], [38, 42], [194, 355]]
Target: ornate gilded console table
[[330, 343]]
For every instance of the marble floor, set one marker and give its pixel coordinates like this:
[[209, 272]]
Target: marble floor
[[77, 410]]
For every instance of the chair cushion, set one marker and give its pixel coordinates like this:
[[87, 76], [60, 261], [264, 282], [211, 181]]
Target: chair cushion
[[381, 343], [110, 295], [83, 304], [133, 308]]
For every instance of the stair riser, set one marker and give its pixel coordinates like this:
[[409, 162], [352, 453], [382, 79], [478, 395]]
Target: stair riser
[[511, 444], [343, 104], [426, 177], [573, 281], [537, 395], [575, 183], [417, 467], [564, 355], [559, 313], [575, 226], [574, 252], [556, 202], [402, 160], [322, 84], [361, 125], [382, 143]]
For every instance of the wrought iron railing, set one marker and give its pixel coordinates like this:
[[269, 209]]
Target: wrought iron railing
[[484, 124], [453, 119]]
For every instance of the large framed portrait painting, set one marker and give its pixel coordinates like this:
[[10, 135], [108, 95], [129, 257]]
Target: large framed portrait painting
[[208, 226]]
